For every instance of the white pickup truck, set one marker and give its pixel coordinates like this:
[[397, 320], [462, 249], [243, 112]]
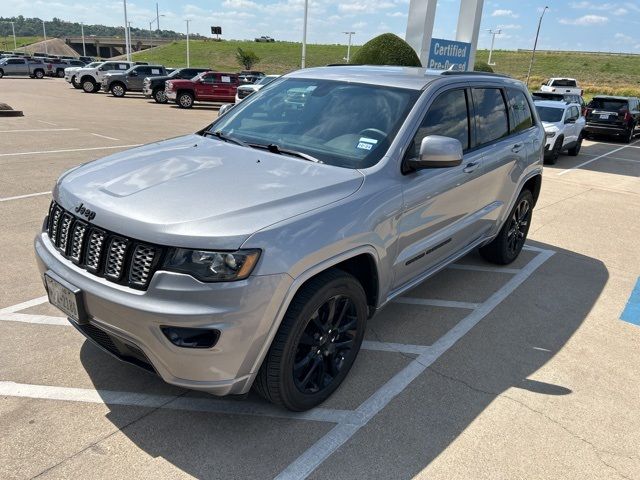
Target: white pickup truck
[[562, 85], [91, 78]]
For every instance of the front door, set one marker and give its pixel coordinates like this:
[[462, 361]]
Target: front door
[[440, 204]]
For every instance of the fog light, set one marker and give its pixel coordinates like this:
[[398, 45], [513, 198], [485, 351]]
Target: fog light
[[191, 337]]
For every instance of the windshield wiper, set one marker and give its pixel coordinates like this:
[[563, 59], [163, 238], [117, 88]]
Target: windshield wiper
[[273, 148], [225, 138]]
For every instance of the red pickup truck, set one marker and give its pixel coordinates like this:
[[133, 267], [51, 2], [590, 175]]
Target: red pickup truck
[[206, 87]]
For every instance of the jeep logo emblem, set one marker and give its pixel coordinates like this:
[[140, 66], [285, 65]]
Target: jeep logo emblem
[[85, 212]]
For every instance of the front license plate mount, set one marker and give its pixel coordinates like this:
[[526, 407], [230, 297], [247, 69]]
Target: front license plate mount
[[66, 297]]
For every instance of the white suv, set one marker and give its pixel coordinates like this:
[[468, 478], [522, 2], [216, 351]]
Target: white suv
[[563, 125]]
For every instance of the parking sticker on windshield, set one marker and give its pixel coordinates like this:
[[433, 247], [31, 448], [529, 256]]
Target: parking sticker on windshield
[[366, 143]]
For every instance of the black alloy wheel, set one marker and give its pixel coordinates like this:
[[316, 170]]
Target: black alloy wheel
[[518, 226]]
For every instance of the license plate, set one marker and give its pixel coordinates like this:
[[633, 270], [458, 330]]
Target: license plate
[[66, 297], [605, 117]]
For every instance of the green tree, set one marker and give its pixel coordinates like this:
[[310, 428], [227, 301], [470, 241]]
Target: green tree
[[387, 49], [246, 58]]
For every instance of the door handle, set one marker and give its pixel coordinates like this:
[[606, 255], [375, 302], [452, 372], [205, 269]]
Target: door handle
[[470, 167], [516, 148]]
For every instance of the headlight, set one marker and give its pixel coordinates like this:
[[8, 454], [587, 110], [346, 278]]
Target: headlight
[[550, 134], [209, 266]]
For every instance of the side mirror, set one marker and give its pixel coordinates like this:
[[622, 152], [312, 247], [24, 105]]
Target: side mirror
[[570, 120], [101, 69], [437, 151], [225, 108]]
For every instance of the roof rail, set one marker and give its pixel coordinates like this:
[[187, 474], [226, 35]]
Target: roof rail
[[462, 73]]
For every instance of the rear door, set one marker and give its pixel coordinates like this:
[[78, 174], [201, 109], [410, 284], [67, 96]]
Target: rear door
[[440, 204], [135, 82], [506, 138]]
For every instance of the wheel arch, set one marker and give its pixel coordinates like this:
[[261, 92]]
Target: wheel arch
[[533, 184]]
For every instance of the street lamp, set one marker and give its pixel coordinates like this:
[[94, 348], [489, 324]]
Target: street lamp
[[187, 42], [535, 44], [493, 39], [84, 48], [156, 19], [44, 31], [349, 46], [127, 40], [304, 34]]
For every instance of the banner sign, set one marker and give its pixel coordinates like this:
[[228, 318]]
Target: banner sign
[[449, 55]]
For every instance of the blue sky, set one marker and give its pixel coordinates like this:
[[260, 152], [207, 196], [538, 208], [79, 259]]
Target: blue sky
[[568, 25]]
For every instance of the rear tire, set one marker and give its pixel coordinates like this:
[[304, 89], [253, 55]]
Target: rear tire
[[630, 135], [1, 74], [506, 247], [118, 90], [317, 342], [38, 74], [575, 150], [185, 100], [60, 73]]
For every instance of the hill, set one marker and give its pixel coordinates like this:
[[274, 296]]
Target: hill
[[596, 73]]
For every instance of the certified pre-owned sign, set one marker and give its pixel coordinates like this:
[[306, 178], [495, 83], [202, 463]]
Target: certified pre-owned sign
[[449, 55]]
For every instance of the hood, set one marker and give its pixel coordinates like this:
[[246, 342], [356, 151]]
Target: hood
[[550, 126], [199, 192]]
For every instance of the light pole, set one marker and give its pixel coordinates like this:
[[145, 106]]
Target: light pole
[[349, 45], [187, 41], [127, 40], [13, 29], [304, 34], [157, 19], [84, 48], [535, 44], [493, 39], [44, 31], [158, 16]]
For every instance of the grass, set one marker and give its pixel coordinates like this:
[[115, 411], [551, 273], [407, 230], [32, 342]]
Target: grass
[[596, 74], [6, 42]]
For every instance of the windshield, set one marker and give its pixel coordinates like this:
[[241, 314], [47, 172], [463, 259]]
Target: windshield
[[611, 105], [266, 80], [549, 114], [344, 124]]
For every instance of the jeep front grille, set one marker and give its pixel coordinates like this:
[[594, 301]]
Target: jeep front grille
[[119, 259]]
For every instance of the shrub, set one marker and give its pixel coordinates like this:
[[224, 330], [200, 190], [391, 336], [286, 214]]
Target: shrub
[[246, 58], [387, 49], [482, 67]]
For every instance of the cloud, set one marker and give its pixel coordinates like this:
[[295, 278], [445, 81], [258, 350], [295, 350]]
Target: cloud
[[504, 13], [509, 26], [397, 14], [620, 11], [622, 38], [585, 21]]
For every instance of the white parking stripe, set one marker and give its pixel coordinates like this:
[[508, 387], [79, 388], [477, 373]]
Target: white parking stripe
[[38, 319], [592, 160], [632, 160], [431, 302], [171, 402], [28, 304], [40, 130], [104, 136], [6, 199], [482, 268], [306, 463], [68, 150]]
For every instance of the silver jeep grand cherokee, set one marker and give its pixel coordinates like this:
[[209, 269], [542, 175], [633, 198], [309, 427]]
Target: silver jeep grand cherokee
[[253, 252]]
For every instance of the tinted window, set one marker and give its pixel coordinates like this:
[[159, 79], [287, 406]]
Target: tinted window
[[563, 82], [609, 104], [143, 70], [519, 111], [447, 116], [491, 115], [549, 114], [15, 61]]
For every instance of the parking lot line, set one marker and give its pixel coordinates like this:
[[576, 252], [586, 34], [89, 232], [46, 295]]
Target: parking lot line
[[306, 463], [614, 158], [37, 319], [170, 402], [580, 165], [18, 197], [24, 305], [70, 150], [40, 130], [103, 136], [429, 302]]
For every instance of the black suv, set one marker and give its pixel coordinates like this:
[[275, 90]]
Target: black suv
[[607, 115], [154, 87]]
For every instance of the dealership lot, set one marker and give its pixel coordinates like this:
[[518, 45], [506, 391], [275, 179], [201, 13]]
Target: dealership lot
[[481, 372]]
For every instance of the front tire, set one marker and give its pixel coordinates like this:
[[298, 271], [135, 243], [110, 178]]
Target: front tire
[[185, 100], [317, 342], [552, 159], [159, 96], [39, 74], [60, 73], [1, 74], [75, 83], [506, 247], [118, 90], [89, 86]]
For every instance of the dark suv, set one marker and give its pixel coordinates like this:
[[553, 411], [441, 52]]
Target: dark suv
[[614, 116], [131, 80], [153, 87]]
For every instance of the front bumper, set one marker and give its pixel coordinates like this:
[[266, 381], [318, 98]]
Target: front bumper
[[104, 87], [244, 312], [146, 90], [171, 94]]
